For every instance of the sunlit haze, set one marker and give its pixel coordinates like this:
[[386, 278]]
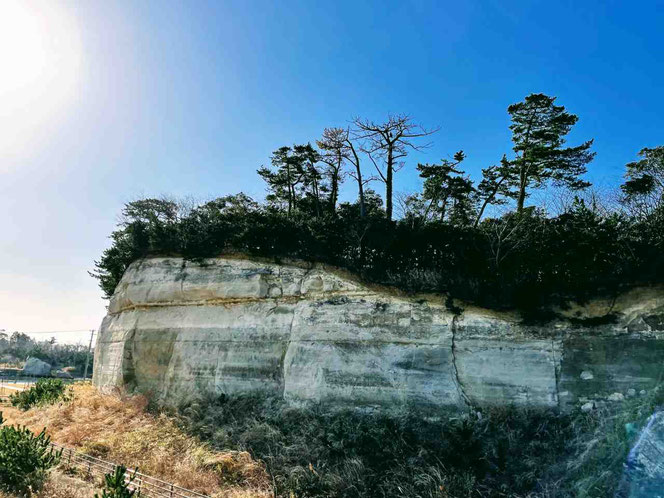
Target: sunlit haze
[[41, 57]]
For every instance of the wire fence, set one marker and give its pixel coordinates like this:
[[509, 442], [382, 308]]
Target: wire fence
[[147, 485]]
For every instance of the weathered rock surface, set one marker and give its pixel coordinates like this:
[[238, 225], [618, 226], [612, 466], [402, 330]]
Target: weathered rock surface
[[180, 329], [35, 367]]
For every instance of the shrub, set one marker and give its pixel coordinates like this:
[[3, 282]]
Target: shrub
[[44, 392], [506, 453], [527, 261], [117, 486], [24, 459], [349, 454]]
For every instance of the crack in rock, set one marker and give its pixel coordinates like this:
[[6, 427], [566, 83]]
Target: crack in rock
[[556, 372], [457, 380]]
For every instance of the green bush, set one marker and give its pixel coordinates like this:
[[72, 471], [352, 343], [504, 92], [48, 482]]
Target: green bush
[[24, 459], [44, 392], [527, 261], [116, 486]]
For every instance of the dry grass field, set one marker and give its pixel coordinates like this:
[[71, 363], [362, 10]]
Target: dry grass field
[[119, 429], [62, 486]]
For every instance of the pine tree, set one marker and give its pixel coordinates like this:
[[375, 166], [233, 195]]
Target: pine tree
[[283, 179], [538, 130], [494, 188], [643, 190], [447, 190]]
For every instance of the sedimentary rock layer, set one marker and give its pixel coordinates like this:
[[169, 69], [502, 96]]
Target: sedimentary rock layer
[[178, 330]]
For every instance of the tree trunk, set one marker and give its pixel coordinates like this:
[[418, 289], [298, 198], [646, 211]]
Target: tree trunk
[[522, 191], [334, 193], [317, 198], [487, 201], [333, 198], [481, 213], [520, 201], [360, 185], [363, 209], [290, 187], [388, 185]]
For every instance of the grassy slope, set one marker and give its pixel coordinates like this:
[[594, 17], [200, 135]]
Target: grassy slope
[[62, 486], [120, 429], [307, 453], [502, 453]]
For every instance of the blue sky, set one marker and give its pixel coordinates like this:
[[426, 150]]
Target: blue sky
[[189, 98]]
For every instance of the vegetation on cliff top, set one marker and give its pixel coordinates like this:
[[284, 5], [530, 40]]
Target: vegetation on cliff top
[[455, 236]]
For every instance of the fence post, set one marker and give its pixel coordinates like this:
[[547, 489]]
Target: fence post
[[171, 491]]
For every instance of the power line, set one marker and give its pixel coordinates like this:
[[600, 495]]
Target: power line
[[50, 331]]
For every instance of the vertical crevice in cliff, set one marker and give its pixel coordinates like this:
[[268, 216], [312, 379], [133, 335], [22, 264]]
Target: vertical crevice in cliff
[[457, 379], [556, 371], [127, 368], [284, 354], [182, 275]]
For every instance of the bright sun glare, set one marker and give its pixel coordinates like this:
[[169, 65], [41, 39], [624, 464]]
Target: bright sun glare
[[39, 71]]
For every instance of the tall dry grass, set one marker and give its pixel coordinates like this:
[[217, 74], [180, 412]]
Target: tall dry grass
[[120, 429], [62, 486]]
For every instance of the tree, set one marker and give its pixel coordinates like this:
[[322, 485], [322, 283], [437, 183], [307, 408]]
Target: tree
[[282, 182], [538, 130], [25, 458], [494, 187], [386, 144], [447, 190], [643, 189], [295, 177], [339, 150], [334, 155], [307, 158], [119, 484], [356, 174]]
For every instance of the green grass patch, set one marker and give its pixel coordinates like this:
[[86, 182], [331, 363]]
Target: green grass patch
[[44, 392]]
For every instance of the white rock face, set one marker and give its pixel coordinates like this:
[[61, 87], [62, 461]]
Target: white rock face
[[179, 330]]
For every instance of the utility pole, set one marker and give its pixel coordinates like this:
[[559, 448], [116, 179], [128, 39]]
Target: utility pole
[[87, 356]]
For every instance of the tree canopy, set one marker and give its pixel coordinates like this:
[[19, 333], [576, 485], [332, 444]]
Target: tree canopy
[[473, 240], [538, 130]]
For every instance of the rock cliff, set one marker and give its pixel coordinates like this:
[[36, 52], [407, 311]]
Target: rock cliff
[[178, 330]]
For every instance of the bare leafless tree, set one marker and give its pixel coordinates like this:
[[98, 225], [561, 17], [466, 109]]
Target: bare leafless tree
[[386, 144], [334, 154], [339, 150]]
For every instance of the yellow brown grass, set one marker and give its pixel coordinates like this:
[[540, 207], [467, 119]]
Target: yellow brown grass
[[120, 429], [61, 486]]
